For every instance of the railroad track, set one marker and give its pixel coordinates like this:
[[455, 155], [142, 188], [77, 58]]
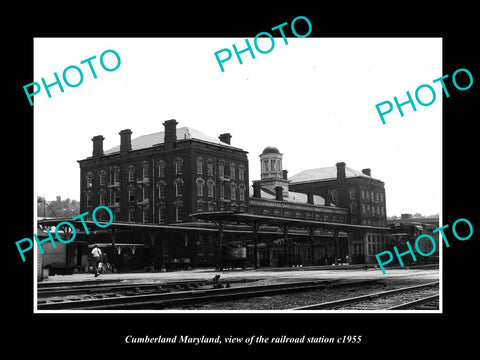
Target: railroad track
[[155, 296], [413, 297]]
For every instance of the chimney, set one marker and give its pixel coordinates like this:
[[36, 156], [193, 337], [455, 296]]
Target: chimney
[[341, 171], [279, 193], [285, 174], [256, 190], [367, 172], [125, 140], [225, 138], [170, 133], [97, 147], [309, 198]]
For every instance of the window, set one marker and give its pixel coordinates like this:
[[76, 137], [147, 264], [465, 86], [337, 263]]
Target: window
[[241, 172], [200, 206], [178, 166], [179, 213], [232, 171], [372, 197], [103, 177], [162, 212], [116, 197], [116, 176], [233, 191], [211, 206], [131, 193], [178, 187], [353, 208], [210, 188], [146, 215], [199, 166], [221, 168], [145, 193], [161, 189], [221, 187], [89, 180], [273, 165], [103, 197], [131, 173], [265, 165], [145, 171], [200, 185], [353, 194], [131, 213], [89, 197], [241, 192], [209, 168], [334, 195], [161, 168]]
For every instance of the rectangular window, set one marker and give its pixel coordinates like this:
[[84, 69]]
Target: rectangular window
[[116, 178], [199, 167], [146, 215], [145, 193], [131, 175], [116, 197], [131, 194], [209, 169], [221, 170], [162, 214], [232, 171], [222, 190], [179, 213], [179, 188], [145, 172]]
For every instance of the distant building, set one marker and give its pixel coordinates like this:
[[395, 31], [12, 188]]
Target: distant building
[[359, 193]]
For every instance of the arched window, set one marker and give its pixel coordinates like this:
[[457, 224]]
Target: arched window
[[209, 167], [210, 188], [199, 165], [178, 166], [103, 177], [161, 168], [89, 180], [241, 192], [200, 186], [233, 191], [241, 172], [162, 189], [131, 173], [178, 187]]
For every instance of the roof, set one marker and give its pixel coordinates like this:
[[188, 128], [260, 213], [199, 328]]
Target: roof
[[294, 197], [326, 173], [270, 150], [149, 140]]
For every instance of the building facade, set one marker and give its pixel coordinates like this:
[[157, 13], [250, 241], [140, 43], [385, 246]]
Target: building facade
[[359, 193], [163, 177]]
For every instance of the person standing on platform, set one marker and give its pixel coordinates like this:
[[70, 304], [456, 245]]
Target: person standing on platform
[[97, 256]]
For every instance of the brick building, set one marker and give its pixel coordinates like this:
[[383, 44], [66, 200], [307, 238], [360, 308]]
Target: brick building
[[362, 195], [162, 178]]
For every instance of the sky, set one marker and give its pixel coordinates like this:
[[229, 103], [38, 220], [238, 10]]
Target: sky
[[314, 99]]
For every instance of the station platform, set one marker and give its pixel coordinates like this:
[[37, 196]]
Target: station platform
[[327, 272]]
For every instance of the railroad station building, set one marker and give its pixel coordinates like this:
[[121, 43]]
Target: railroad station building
[[181, 198]]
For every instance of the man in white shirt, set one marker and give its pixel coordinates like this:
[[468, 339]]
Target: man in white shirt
[[97, 257]]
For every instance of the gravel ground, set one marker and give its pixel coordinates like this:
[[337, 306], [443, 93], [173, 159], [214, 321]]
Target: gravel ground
[[289, 301]]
